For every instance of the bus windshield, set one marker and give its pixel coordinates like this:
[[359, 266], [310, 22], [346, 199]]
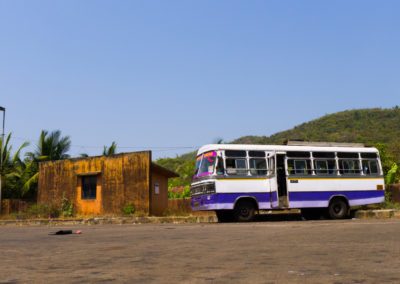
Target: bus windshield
[[205, 164]]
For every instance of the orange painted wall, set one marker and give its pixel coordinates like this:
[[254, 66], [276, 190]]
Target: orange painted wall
[[89, 206], [122, 179]]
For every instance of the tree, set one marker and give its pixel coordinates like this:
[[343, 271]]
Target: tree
[[110, 150], [51, 147], [9, 165]]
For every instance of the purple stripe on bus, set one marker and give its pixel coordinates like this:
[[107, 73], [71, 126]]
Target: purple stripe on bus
[[226, 200], [296, 199], [326, 195]]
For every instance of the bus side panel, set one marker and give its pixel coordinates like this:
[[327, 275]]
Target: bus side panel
[[257, 188], [229, 190], [315, 192]]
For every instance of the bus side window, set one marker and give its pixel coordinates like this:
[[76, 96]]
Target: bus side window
[[331, 167], [299, 167], [324, 167], [236, 166], [258, 166], [370, 167], [373, 166], [349, 167], [321, 167]]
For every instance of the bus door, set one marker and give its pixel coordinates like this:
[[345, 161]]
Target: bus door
[[273, 180], [280, 168]]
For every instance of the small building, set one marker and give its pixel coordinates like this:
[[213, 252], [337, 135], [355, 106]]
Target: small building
[[105, 184]]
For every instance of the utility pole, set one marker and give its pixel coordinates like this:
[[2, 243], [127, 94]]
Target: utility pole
[[3, 109]]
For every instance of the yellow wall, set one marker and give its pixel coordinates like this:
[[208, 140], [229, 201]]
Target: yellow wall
[[123, 179]]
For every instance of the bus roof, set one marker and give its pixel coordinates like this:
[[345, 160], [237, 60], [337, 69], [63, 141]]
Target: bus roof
[[283, 148]]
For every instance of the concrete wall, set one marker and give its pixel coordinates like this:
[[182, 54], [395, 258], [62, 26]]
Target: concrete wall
[[122, 179], [9, 206]]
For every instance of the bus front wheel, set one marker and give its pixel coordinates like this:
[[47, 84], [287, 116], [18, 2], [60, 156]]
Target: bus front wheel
[[337, 208], [244, 211]]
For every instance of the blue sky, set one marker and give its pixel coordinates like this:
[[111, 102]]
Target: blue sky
[[164, 74]]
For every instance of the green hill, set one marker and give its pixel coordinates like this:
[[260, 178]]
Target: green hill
[[369, 126], [373, 127]]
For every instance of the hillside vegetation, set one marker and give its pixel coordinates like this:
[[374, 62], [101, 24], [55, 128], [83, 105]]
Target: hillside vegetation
[[373, 127], [369, 126]]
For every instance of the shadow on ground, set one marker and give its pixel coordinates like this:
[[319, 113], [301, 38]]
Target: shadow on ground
[[278, 217]]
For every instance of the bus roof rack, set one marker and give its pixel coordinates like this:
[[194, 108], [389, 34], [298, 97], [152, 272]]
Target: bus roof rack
[[322, 144]]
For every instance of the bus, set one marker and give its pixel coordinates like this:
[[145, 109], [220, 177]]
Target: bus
[[237, 181]]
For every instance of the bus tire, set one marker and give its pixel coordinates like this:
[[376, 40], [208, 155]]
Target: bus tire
[[338, 208], [244, 211], [311, 213], [224, 216]]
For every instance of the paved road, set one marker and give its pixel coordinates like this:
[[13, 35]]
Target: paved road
[[349, 251]]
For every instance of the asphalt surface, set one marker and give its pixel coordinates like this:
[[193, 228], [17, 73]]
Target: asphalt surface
[[325, 251]]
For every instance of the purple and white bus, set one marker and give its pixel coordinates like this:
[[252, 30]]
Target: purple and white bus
[[237, 181]]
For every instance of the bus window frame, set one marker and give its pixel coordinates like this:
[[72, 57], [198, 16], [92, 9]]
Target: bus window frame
[[309, 170], [246, 169], [258, 169], [335, 170], [369, 165], [354, 173]]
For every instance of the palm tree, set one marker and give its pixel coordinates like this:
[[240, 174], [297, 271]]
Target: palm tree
[[9, 165], [110, 150], [51, 147], [6, 160]]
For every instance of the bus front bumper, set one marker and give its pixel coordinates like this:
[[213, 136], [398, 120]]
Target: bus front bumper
[[209, 202]]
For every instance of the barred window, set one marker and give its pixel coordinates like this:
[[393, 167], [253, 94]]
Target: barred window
[[258, 166], [324, 167], [349, 167], [89, 185], [299, 167], [236, 166], [370, 167]]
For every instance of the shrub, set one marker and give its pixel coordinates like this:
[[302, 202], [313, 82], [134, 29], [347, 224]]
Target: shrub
[[128, 209], [43, 211], [185, 193], [392, 175], [67, 208]]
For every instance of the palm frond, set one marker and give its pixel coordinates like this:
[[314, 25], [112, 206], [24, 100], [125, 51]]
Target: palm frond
[[29, 184]]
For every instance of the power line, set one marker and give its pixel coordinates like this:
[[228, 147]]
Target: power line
[[158, 148]]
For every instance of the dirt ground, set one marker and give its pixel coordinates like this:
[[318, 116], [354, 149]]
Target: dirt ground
[[325, 251]]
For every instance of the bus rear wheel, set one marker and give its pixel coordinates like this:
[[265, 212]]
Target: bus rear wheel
[[224, 216], [338, 209], [244, 211]]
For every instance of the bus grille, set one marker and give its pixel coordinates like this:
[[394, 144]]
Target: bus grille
[[199, 189]]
